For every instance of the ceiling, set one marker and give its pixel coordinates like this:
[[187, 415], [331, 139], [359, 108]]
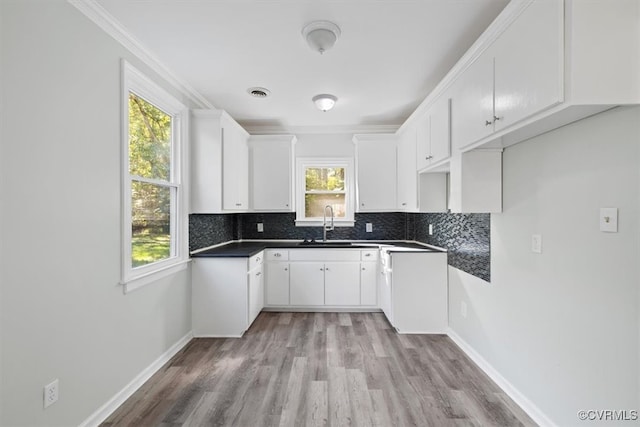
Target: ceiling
[[390, 55]]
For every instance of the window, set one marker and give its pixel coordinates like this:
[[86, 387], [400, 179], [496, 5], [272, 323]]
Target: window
[[154, 234], [323, 182]]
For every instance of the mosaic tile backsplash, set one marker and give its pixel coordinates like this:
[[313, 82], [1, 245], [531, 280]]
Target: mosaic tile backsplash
[[465, 236]]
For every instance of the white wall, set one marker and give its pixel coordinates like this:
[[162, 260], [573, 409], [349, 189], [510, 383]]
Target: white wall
[[63, 313], [563, 326], [325, 145]]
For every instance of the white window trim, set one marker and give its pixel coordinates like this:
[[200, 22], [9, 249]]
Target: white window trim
[[134, 278], [349, 181]]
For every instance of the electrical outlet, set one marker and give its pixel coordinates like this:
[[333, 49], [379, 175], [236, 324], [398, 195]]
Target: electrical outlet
[[51, 393], [430, 229], [260, 227], [369, 227], [463, 309]]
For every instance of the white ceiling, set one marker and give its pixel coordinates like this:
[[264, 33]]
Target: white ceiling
[[390, 55]]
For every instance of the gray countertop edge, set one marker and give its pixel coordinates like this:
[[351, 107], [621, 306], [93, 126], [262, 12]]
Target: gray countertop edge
[[248, 248]]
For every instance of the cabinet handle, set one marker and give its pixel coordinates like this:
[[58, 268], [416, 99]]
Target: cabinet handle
[[286, 269], [404, 204], [488, 123], [326, 269], [496, 118], [367, 254], [238, 204], [322, 269], [258, 273], [287, 205], [277, 255], [428, 157], [361, 204], [258, 259], [363, 269]]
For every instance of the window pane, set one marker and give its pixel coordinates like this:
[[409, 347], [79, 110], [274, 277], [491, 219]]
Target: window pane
[[150, 223], [324, 179], [314, 205], [149, 140]]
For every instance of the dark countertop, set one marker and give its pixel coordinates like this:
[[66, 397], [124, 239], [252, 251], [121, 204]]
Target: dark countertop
[[250, 248]]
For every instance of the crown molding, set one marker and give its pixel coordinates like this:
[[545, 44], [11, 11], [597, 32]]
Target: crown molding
[[306, 130], [96, 13]]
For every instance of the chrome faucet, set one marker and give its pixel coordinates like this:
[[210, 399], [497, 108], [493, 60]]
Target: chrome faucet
[[326, 228]]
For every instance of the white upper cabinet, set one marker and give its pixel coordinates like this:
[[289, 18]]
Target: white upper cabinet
[[519, 75], [472, 103], [433, 141], [529, 63], [543, 64], [376, 171], [407, 192], [440, 131], [271, 172], [205, 161], [219, 162], [235, 167]]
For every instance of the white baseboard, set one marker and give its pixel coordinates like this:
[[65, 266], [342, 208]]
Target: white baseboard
[[108, 408], [529, 407]]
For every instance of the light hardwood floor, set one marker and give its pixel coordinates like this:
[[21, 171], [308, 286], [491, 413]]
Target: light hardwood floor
[[320, 369]]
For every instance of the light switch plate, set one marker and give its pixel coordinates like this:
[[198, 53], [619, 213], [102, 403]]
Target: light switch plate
[[609, 220], [430, 229], [369, 227], [536, 243], [260, 227]]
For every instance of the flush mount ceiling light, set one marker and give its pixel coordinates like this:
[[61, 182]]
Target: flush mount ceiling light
[[321, 35], [324, 102], [258, 92]]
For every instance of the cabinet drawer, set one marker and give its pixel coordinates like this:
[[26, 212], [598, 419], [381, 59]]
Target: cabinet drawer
[[369, 255], [324, 255], [276, 255], [256, 260]]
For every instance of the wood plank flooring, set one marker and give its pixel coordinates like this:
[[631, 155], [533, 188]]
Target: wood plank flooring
[[320, 369]]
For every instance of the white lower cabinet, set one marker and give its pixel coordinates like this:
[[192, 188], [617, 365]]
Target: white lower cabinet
[[276, 283], [321, 278], [307, 283], [342, 283], [227, 295], [256, 293], [413, 292], [368, 283]]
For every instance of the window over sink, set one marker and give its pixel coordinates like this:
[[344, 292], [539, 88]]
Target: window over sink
[[324, 182]]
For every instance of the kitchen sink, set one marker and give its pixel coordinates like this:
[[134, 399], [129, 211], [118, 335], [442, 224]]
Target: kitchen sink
[[323, 243]]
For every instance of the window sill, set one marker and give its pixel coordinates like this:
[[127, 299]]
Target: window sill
[[135, 283], [316, 223]]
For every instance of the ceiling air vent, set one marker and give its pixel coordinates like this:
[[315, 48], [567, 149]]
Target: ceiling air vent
[[258, 92]]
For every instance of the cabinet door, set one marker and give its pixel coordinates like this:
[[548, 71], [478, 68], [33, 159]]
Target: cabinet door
[[407, 171], [271, 171], [440, 131], [342, 283], [376, 163], [528, 64], [368, 285], [277, 283], [386, 295], [205, 162], [423, 140], [235, 170], [256, 293], [472, 103], [306, 283]]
